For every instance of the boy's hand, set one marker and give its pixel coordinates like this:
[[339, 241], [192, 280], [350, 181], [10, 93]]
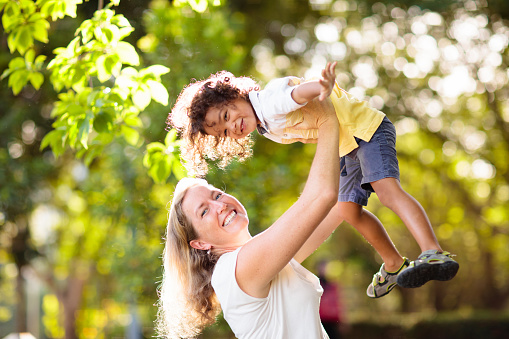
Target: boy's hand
[[327, 81]]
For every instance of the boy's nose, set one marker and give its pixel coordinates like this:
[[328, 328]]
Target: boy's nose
[[232, 127]]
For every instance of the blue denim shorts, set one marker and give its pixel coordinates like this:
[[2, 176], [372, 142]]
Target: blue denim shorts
[[371, 161]]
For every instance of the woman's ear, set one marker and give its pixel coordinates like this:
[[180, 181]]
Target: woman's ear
[[200, 245]]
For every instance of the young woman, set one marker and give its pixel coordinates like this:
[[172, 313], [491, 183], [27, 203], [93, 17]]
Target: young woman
[[211, 262]]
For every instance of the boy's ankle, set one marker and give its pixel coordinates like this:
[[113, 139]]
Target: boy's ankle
[[393, 266]]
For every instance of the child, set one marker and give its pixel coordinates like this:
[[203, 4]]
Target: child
[[216, 116]]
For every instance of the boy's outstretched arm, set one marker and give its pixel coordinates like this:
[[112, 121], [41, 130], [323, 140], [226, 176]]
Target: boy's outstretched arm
[[321, 88]]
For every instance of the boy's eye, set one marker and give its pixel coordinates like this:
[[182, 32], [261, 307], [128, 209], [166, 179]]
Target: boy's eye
[[218, 195]]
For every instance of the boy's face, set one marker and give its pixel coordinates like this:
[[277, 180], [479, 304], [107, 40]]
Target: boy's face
[[236, 120]]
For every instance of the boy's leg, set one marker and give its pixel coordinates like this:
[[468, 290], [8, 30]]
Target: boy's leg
[[433, 263], [380, 173], [351, 199], [373, 231], [391, 194], [370, 227]]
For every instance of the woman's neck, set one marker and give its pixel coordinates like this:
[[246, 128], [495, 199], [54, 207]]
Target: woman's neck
[[219, 251]]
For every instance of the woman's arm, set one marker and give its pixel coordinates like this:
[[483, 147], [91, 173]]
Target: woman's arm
[[320, 234], [262, 258]]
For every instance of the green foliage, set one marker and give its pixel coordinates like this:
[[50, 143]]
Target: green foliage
[[100, 227], [22, 70], [50, 308], [197, 5], [103, 98], [161, 161], [90, 115], [26, 21], [192, 44]]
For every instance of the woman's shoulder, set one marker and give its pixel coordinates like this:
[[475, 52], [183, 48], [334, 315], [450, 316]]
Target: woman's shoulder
[[225, 263]]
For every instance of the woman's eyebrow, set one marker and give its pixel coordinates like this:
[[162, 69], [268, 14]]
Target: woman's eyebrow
[[198, 209]]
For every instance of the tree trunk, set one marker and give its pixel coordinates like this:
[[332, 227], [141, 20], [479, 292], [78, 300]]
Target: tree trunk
[[71, 300], [19, 248], [21, 310], [492, 296]]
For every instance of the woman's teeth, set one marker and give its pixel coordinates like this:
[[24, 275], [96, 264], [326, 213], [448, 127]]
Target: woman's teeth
[[229, 218]]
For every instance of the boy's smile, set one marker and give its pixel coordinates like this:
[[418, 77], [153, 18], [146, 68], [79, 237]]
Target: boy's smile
[[236, 120]]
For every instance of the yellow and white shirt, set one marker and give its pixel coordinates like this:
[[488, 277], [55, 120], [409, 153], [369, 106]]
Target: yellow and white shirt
[[279, 114]]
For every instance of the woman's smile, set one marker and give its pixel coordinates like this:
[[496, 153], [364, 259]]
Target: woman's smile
[[218, 218], [229, 218]]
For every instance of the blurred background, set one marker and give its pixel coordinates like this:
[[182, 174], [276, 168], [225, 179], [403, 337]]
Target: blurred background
[[87, 165]]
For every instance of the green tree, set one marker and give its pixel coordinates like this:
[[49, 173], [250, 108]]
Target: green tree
[[86, 225], [90, 222]]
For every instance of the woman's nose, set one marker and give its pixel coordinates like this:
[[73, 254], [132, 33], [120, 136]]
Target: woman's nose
[[219, 206]]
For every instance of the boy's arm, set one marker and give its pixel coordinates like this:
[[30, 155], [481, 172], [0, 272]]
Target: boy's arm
[[321, 88]]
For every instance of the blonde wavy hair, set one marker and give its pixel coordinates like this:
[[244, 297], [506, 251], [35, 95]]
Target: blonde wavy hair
[[188, 117], [187, 302]]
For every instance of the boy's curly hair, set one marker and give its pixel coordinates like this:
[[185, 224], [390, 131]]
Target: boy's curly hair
[[188, 117]]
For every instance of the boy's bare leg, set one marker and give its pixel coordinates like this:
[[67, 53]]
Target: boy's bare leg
[[393, 196], [367, 224]]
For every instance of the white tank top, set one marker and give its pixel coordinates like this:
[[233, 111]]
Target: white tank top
[[290, 311]]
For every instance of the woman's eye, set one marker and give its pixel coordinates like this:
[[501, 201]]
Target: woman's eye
[[225, 132], [218, 196], [204, 212], [226, 116]]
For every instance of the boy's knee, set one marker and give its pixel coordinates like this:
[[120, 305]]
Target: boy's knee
[[349, 212]]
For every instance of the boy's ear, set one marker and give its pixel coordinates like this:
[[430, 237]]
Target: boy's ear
[[200, 245]]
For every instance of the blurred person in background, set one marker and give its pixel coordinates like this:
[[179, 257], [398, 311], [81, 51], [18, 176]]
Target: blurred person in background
[[332, 312]]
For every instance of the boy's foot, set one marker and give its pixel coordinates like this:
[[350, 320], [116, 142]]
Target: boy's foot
[[383, 281], [431, 265]]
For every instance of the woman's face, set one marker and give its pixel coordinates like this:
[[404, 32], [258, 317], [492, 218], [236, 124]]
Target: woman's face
[[220, 220]]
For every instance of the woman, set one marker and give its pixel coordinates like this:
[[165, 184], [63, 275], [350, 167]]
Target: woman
[[212, 262]]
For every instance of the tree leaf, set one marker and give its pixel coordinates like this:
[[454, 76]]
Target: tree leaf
[[39, 60], [29, 56], [40, 30], [103, 73], [133, 120], [110, 34], [12, 16], [23, 39], [141, 99], [36, 79], [84, 131], [127, 53], [130, 135], [171, 136], [17, 63], [158, 92], [18, 80], [155, 146], [113, 64], [103, 123], [156, 70]]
